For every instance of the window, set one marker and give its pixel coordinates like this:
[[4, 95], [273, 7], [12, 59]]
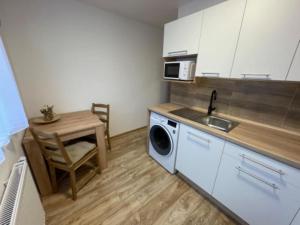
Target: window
[[12, 115], [1, 156]]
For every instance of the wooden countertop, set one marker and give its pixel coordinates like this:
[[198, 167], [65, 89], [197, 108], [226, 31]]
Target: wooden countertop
[[276, 143]]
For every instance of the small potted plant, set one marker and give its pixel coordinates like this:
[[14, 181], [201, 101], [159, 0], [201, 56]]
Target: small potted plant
[[47, 111]]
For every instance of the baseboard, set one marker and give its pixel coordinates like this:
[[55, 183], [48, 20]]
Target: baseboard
[[128, 132]]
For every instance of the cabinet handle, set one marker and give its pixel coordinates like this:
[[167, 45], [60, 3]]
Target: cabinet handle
[[280, 172], [198, 137], [183, 52], [274, 186], [210, 74], [256, 76]]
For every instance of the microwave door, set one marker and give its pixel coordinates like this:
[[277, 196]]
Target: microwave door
[[172, 71]]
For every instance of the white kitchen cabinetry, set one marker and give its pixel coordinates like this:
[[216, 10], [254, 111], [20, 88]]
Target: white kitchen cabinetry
[[294, 73], [181, 37], [256, 188], [268, 39], [198, 156], [219, 37]]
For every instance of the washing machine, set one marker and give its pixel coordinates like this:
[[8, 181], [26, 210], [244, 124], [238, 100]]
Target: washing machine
[[163, 136]]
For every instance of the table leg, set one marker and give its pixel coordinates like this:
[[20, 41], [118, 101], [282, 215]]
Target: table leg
[[101, 147], [38, 167]]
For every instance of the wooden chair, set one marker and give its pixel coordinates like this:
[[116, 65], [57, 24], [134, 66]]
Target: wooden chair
[[102, 111], [67, 158]]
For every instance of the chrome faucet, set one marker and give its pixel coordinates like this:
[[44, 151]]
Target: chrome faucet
[[212, 98]]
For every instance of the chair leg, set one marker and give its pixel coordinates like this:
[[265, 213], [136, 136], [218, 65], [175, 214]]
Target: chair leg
[[108, 141], [98, 168], [73, 185], [53, 178]]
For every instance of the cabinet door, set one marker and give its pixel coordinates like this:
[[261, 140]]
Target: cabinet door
[[269, 36], [198, 156], [219, 37], [255, 198], [181, 37], [294, 73]]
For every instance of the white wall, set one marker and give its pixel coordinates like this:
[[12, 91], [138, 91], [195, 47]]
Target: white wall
[[70, 54], [13, 151], [195, 6]]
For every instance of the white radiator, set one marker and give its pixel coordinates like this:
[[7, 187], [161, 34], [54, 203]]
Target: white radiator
[[21, 203]]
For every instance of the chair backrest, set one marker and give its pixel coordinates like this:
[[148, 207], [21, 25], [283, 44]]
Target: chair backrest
[[102, 111], [50, 142]]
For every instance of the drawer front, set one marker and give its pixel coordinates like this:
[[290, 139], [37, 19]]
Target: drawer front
[[271, 169], [198, 156], [252, 197]]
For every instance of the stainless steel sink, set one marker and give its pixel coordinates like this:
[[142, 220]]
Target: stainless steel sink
[[211, 121], [218, 123]]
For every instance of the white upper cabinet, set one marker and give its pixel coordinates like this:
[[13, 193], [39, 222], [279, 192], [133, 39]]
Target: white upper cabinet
[[294, 73], [219, 37], [181, 37], [268, 39]]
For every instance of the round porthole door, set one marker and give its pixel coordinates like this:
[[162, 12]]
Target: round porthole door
[[160, 140]]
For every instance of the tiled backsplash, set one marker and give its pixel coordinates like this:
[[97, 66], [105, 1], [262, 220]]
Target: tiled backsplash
[[270, 102]]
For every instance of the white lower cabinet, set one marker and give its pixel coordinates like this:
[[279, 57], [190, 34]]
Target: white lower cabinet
[[198, 156], [254, 189]]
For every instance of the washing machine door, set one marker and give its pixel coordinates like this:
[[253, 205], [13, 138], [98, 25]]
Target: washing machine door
[[161, 140]]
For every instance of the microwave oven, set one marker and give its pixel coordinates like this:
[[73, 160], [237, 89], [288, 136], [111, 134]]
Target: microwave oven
[[179, 70]]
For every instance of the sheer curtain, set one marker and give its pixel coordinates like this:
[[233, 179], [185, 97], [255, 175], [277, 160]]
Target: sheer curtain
[[12, 115]]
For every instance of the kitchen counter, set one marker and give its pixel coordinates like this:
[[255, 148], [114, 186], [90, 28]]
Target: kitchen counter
[[277, 143]]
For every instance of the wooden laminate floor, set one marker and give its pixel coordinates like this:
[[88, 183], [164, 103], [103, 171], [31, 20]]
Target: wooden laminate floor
[[134, 189]]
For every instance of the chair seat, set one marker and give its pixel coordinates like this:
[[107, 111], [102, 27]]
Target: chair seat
[[75, 151]]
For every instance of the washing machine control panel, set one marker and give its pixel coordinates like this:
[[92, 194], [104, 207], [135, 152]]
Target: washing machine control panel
[[172, 123]]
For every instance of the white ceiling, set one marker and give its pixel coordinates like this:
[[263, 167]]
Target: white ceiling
[[154, 12]]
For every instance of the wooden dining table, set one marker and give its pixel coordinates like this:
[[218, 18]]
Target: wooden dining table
[[70, 126]]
